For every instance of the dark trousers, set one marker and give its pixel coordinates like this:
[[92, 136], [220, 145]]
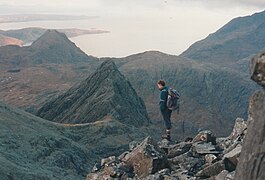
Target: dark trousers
[[166, 116]]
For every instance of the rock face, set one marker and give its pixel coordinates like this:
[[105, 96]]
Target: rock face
[[104, 93], [252, 158], [258, 69]]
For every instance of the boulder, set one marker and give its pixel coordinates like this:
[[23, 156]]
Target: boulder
[[239, 129], [187, 162], [204, 148], [178, 149], [147, 158], [212, 170], [222, 175], [257, 70], [205, 136], [233, 155], [108, 161], [210, 158]]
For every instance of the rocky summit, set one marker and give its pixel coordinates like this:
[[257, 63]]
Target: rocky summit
[[202, 157], [258, 69], [104, 93]]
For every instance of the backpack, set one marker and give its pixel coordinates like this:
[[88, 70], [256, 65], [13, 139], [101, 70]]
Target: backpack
[[173, 100]]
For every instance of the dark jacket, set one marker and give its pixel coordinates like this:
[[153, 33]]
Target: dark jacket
[[163, 99]]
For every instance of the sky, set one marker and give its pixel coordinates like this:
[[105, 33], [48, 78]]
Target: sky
[[124, 7], [170, 26]]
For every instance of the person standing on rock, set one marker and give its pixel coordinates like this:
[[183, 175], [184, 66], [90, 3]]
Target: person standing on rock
[[166, 113]]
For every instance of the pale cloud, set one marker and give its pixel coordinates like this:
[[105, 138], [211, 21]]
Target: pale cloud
[[125, 7]]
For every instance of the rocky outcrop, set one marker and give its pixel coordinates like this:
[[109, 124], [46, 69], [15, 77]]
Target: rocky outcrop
[[257, 70], [104, 93], [252, 159], [204, 157]]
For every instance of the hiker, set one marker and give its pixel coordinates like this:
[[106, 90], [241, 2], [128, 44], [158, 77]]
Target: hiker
[[166, 113]]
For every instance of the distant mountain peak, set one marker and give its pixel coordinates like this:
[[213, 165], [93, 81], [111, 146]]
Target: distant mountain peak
[[105, 93], [238, 39], [51, 37]]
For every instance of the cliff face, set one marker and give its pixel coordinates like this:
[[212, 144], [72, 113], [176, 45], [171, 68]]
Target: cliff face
[[104, 93], [252, 159]]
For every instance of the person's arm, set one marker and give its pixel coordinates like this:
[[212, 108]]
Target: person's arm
[[163, 99]]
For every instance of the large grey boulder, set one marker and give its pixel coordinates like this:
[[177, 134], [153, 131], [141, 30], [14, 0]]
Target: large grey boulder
[[233, 155], [212, 170], [147, 158]]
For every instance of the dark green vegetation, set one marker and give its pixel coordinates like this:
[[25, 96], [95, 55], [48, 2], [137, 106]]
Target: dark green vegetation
[[105, 93], [33, 148]]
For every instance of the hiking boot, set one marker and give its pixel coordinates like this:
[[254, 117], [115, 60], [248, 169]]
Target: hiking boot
[[166, 135]]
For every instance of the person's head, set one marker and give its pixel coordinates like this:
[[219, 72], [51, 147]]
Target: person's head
[[161, 84]]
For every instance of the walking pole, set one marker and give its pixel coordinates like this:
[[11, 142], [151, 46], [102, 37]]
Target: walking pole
[[183, 129]]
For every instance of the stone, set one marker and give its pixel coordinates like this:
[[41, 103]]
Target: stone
[[210, 158], [187, 162], [147, 158], [239, 129], [251, 163], [133, 145], [212, 170], [96, 168], [222, 175], [123, 155], [230, 176], [233, 155], [205, 136], [108, 161], [178, 149], [205, 148], [258, 69]]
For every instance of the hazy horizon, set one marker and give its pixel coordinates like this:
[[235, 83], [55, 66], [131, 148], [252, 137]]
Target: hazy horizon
[[169, 26]]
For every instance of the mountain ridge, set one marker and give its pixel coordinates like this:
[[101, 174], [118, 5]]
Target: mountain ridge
[[236, 40], [106, 92]]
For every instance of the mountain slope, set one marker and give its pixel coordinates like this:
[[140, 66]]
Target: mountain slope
[[104, 93], [238, 39], [32, 148], [5, 40], [211, 97]]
